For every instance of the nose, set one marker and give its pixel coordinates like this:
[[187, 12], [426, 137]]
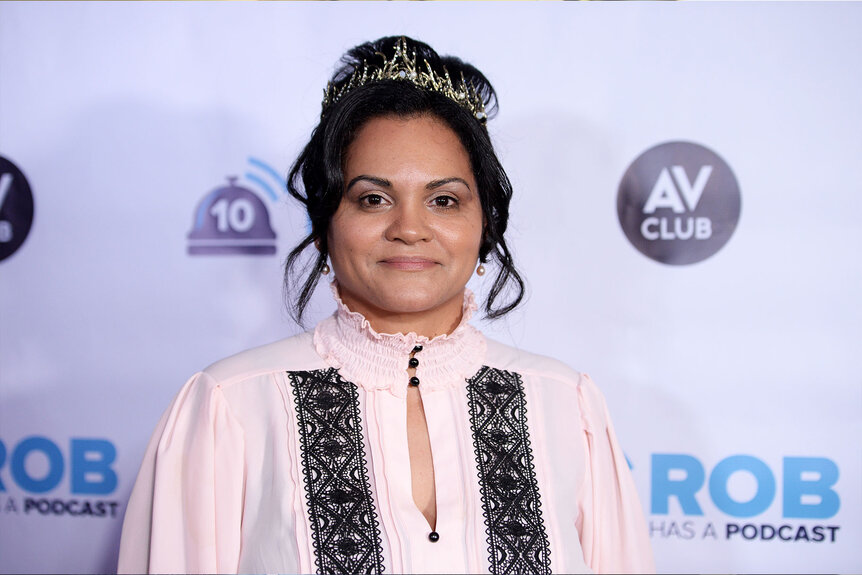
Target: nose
[[410, 224]]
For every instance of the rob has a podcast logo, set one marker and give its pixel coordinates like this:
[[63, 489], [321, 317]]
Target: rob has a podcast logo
[[40, 477], [678, 203]]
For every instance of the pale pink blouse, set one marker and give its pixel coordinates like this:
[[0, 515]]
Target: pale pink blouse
[[292, 458]]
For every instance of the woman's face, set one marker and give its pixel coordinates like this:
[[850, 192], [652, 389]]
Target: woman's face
[[405, 238]]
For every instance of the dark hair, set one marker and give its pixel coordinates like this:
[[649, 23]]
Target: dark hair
[[317, 180]]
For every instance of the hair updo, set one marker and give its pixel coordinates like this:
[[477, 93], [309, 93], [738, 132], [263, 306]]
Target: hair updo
[[317, 178]]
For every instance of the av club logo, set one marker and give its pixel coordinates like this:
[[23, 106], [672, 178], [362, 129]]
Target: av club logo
[[233, 219], [16, 208], [678, 203]]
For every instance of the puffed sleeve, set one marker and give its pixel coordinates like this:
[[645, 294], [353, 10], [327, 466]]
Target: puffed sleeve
[[185, 511], [611, 523]]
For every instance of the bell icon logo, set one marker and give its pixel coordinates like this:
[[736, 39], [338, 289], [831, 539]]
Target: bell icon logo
[[678, 203], [234, 220]]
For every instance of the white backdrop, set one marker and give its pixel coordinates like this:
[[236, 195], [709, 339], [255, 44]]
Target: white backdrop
[[733, 382]]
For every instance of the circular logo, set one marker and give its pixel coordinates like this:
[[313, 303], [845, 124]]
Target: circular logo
[[678, 203], [16, 208]]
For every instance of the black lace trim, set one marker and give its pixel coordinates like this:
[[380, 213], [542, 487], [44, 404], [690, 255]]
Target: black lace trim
[[345, 530], [517, 539]]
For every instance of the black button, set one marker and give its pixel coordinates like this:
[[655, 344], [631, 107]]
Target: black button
[[414, 381], [434, 537], [417, 349], [413, 362]]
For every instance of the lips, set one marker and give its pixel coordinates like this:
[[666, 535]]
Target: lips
[[409, 263]]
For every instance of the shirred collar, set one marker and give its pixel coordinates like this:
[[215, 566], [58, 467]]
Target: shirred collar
[[378, 361]]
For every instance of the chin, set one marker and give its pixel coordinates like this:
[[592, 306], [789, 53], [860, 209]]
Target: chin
[[414, 301]]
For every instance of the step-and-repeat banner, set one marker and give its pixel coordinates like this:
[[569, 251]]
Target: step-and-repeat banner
[[688, 200]]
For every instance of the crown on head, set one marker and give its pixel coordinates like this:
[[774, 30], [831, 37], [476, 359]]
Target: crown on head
[[404, 66]]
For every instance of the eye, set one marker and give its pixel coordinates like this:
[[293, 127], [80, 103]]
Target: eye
[[445, 202], [371, 200]]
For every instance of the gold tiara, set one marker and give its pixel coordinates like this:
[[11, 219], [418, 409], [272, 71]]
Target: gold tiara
[[403, 66]]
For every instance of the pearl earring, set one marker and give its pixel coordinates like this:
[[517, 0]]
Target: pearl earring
[[325, 269], [480, 271]]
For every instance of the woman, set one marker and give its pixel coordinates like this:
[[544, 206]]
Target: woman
[[393, 437]]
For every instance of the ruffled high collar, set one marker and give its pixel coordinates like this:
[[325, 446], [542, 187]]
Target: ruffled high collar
[[378, 361]]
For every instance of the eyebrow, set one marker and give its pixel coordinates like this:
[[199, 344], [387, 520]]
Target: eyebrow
[[437, 183], [384, 183], [377, 181]]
